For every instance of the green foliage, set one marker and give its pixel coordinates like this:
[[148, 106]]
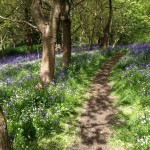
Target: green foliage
[[130, 23], [131, 81], [45, 118], [23, 49]]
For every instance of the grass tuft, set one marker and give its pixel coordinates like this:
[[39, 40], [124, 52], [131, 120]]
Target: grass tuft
[[131, 83], [44, 119]]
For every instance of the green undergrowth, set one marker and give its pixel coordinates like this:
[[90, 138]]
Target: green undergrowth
[[19, 50], [131, 85], [44, 119]]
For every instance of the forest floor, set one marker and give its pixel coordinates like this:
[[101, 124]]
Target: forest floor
[[96, 115]]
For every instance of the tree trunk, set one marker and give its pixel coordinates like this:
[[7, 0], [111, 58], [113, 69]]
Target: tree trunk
[[66, 29], [92, 35], [66, 43], [107, 29], [115, 42], [28, 30], [82, 32], [4, 141], [49, 37], [48, 59], [105, 41]]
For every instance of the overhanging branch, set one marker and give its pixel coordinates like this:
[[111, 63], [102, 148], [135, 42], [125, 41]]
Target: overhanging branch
[[18, 21]]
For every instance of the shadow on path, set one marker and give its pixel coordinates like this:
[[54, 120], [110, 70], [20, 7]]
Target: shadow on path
[[97, 112]]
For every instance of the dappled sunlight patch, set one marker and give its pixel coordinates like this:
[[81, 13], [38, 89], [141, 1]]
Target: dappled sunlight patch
[[117, 144], [58, 142]]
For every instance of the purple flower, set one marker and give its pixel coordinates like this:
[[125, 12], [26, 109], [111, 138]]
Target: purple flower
[[137, 49], [20, 58], [8, 82], [148, 73]]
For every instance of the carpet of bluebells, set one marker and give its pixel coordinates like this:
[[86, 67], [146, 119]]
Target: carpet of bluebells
[[131, 78], [44, 118]]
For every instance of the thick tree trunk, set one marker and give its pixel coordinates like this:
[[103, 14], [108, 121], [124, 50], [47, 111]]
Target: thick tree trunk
[[107, 29], [105, 41], [66, 30], [49, 45], [48, 59], [49, 37], [4, 141], [66, 43]]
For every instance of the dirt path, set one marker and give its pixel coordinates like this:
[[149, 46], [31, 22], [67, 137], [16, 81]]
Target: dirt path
[[97, 112]]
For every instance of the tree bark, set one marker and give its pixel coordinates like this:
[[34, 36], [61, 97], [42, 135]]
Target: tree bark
[[66, 31], [28, 30], [48, 59], [49, 36], [4, 140], [107, 29], [54, 26]]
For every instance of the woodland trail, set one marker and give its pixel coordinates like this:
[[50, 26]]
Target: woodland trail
[[96, 114]]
